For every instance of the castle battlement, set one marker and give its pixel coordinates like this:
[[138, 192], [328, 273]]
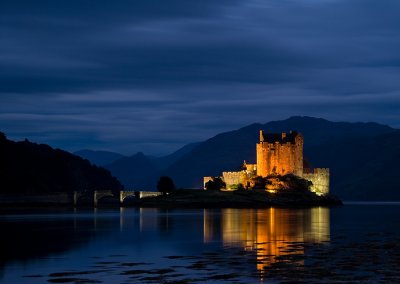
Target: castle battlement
[[280, 153]]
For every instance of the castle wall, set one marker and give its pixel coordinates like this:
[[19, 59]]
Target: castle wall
[[232, 179], [278, 153], [320, 179], [280, 158], [250, 168]]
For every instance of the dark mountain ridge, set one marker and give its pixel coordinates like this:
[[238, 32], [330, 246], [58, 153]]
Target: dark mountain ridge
[[363, 168], [141, 171], [27, 167], [99, 158], [226, 151], [133, 171]]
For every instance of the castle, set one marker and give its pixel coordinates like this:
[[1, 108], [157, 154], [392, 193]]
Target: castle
[[278, 153]]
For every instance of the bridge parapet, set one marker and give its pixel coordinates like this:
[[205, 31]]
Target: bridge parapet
[[149, 193], [95, 196], [126, 193], [98, 194]]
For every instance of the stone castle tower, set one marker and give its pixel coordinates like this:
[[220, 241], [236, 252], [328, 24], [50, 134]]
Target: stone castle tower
[[280, 153]]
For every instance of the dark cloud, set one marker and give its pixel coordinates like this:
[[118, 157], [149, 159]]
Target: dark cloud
[[108, 12], [154, 75]]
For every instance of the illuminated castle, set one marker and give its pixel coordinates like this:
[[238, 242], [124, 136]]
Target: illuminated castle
[[278, 153]]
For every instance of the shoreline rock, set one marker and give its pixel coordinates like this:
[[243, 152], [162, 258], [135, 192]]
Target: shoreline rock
[[237, 199]]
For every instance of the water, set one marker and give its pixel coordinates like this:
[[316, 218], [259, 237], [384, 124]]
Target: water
[[356, 242]]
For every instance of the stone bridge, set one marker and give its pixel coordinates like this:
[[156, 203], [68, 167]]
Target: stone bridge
[[98, 194], [149, 193], [127, 193], [137, 194], [95, 196]]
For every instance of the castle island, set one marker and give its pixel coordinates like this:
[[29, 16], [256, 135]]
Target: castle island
[[278, 154], [280, 177]]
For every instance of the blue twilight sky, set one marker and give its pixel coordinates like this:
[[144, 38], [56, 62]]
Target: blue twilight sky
[[153, 75]]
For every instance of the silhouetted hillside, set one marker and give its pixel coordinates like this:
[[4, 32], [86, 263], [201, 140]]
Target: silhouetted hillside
[[99, 158], [363, 168], [27, 167], [227, 151]]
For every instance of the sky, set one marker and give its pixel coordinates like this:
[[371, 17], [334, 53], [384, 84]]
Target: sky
[[154, 75]]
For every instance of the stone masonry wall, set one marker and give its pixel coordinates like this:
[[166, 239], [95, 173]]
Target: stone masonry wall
[[320, 179], [280, 158], [234, 178]]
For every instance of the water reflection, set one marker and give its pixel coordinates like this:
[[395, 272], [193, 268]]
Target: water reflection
[[34, 235], [134, 245], [270, 233], [195, 241]]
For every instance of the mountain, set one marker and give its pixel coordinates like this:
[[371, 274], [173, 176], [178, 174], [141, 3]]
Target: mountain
[[99, 158], [363, 168], [166, 161], [133, 171], [27, 167], [142, 172], [224, 152], [327, 144]]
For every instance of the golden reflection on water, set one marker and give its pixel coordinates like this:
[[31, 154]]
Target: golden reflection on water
[[271, 233]]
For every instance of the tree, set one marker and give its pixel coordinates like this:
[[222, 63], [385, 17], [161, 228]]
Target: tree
[[165, 185], [216, 183]]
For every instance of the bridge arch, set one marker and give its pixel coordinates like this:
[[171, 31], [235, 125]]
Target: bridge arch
[[99, 194], [127, 193], [95, 196], [81, 195]]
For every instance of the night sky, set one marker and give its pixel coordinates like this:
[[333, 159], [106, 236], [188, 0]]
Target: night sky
[[152, 76]]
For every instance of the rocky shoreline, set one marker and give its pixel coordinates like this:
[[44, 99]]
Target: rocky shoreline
[[184, 198], [237, 199]]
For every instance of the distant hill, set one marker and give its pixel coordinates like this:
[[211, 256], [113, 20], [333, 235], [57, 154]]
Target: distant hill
[[166, 161], [363, 168], [142, 172], [327, 144], [133, 171], [99, 158], [27, 167]]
